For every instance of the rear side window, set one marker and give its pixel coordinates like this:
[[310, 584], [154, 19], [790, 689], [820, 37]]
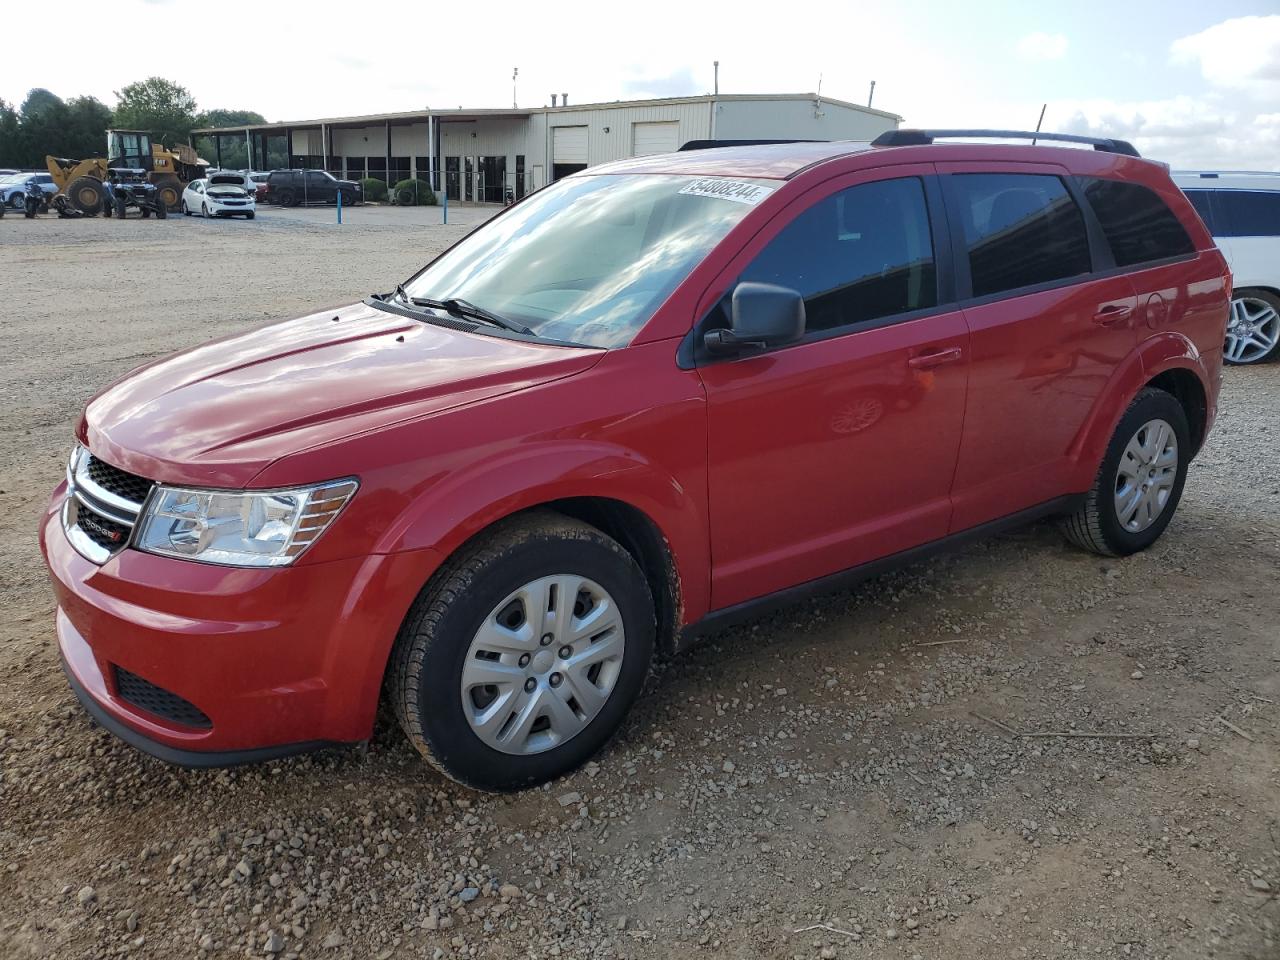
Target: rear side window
[[1249, 213], [1019, 229], [1138, 225], [1201, 200], [858, 255]]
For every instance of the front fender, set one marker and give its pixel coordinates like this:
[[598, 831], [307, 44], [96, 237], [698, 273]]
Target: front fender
[[1168, 350], [466, 502]]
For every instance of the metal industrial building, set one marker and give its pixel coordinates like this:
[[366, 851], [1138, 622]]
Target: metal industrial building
[[480, 154]]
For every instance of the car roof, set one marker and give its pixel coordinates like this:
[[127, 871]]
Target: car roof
[[783, 161]]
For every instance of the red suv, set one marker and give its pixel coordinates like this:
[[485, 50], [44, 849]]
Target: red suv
[[648, 399]]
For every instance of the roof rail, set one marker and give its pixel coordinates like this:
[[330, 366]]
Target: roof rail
[[913, 138], [712, 144], [1227, 173]]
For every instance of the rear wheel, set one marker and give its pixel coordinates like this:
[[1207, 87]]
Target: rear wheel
[[287, 198], [162, 212], [169, 193], [122, 207], [1139, 483], [86, 195], [1253, 330], [521, 657]]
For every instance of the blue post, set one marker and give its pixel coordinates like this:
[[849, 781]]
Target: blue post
[[339, 206]]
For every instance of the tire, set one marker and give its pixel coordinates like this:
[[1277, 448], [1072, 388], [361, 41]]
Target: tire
[[86, 195], [146, 213], [162, 212], [428, 668], [168, 194], [185, 211], [1253, 328], [287, 198], [122, 207], [1097, 524], [204, 210], [249, 216], [108, 207]]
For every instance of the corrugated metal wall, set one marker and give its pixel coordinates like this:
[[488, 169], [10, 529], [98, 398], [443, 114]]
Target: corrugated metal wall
[[796, 120]]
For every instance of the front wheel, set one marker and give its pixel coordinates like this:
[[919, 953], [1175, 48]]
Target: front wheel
[[1253, 330], [162, 212], [1139, 483], [521, 657]]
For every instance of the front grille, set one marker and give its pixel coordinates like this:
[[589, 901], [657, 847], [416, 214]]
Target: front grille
[[130, 486], [107, 534], [103, 506], [145, 695]]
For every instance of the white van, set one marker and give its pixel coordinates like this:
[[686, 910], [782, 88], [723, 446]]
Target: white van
[[1242, 211]]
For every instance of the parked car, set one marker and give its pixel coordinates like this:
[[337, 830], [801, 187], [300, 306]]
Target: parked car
[[13, 188], [220, 195], [1242, 211], [648, 400], [292, 187], [259, 179]]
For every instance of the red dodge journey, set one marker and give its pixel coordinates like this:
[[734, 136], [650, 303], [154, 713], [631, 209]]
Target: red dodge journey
[[649, 399]]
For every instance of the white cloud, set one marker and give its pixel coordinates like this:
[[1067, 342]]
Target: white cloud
[[1041, 46], [1238, 54], [1209, 132]]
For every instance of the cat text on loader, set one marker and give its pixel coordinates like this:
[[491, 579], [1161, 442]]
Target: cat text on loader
[[81, 181]]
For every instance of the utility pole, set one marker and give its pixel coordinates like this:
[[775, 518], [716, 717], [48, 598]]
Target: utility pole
[[514, 73]]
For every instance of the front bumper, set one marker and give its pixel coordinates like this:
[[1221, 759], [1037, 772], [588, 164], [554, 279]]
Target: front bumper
[[222, 208], [278, 660]]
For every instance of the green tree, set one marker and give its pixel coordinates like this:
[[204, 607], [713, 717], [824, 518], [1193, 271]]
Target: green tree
[[10, 136], [161, 106], [87, 121], [235, 152], [42, 127]]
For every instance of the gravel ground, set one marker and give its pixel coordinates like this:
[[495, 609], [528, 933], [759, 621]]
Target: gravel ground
[[867, 775]]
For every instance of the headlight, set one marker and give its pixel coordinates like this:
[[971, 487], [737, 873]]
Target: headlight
[[244, 529]]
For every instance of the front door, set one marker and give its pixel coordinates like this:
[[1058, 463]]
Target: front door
[[1046, 335], [839, 449]]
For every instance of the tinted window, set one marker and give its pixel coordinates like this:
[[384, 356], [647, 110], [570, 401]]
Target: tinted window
[[1200, 199], [1138, 225], [1249, 213], [1020, 229], [863, 253]]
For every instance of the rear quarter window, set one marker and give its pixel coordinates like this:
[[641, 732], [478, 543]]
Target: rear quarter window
[[1250, 213], [1139, 226]]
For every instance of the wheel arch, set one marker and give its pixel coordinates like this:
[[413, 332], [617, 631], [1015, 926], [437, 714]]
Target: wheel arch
[[1170, 362]]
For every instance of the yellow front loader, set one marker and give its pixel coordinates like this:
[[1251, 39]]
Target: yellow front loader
[[81, 181]]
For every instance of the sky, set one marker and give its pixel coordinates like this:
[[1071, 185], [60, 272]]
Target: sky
[[1194, 84]]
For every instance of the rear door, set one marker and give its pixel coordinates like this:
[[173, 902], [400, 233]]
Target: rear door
[[839, 449], [1046, 333]]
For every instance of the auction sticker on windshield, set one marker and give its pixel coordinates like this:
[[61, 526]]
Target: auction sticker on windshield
[[735, 190]]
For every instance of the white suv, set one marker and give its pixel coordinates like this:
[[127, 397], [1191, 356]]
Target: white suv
[[1242, 211]]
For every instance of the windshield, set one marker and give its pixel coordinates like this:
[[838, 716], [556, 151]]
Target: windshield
[[589, 259]]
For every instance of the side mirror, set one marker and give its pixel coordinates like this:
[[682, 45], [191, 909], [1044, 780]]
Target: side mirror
[[762, 315]]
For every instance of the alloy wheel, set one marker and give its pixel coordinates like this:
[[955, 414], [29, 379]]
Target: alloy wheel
[[1253, 330], [1146, 475], [543, 664]]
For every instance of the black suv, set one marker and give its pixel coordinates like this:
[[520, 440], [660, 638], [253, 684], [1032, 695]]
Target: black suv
[[292, 187]]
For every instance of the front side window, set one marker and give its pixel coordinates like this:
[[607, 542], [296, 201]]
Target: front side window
[[1138, 225], [1250, 213], [858, 255], [1019, 229], [589, 259]]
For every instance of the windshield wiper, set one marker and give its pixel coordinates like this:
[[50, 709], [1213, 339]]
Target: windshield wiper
[[464, 308]]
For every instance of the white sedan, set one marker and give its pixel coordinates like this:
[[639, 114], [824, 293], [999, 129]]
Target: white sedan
[[220, 195]]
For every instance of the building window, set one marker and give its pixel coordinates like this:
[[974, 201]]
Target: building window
[[400, 169], [355, 168], [378, 168]]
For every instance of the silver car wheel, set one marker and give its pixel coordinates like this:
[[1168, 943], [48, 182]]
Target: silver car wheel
[[1253, 330], [1146, 475], [543, 664]]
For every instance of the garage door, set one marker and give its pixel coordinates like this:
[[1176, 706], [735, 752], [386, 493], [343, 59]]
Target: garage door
[[569, 144], [648, 138]]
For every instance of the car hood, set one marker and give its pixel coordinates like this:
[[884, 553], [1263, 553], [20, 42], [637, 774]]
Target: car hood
[[221, 413], [228, 180]]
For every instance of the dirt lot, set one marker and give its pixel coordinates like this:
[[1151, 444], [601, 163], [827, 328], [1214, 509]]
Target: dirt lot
[[824, 766]]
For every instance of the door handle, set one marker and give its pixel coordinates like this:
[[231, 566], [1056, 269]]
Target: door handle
[[926, 361], [1112, 314]]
